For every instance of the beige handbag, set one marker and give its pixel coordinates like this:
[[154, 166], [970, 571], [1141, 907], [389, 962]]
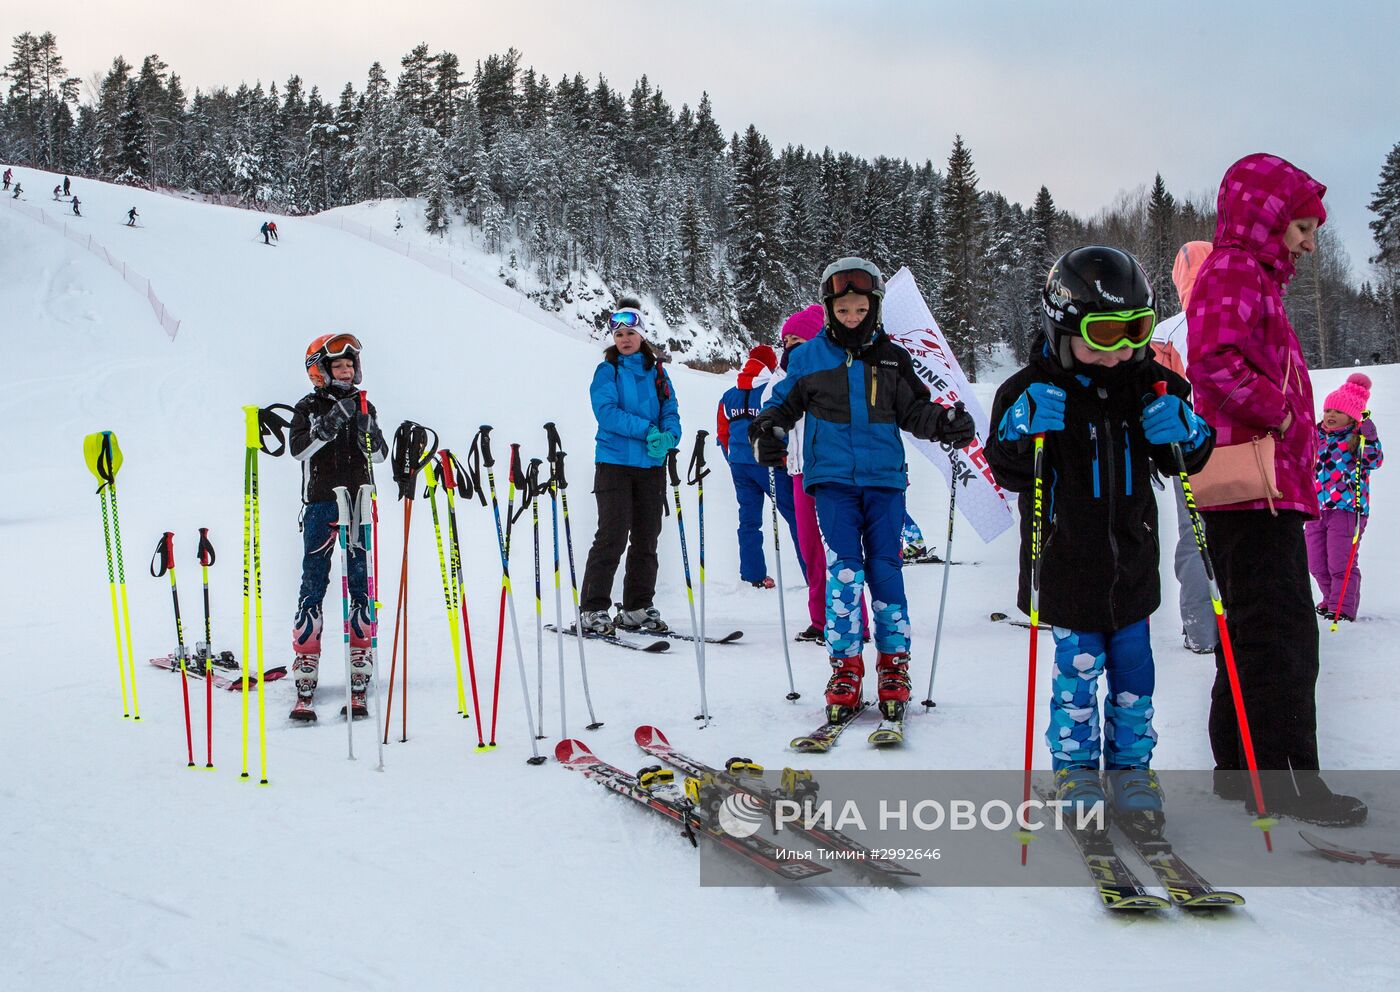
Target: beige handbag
[[1238, 473]]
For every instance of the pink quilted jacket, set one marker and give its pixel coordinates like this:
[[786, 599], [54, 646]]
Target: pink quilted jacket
[[1243, 358]]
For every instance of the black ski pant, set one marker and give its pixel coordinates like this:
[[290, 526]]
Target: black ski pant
[[630, 501], [1261, 564]]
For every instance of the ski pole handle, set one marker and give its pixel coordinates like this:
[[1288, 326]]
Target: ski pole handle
[[671, 467], [555, 444], [206, 550], [164, 558], [517, 474], [532, 478], [697, 470], [483, 436], [445, 461]]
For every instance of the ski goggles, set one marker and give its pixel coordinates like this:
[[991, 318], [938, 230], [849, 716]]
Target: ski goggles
[[341, 346], [1111, 331], [629, 319], [848, 281]]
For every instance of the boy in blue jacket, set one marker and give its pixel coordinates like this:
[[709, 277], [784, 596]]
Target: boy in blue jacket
[[858, 390]]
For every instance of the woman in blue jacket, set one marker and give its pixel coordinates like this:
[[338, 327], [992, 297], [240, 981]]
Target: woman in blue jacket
[[638, 422]]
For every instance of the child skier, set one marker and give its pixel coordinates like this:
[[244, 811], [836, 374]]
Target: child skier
[[1343, 493], [858, 390], [1090, 389], [328, 437], [737, 408], [131, 216], [76, 204]]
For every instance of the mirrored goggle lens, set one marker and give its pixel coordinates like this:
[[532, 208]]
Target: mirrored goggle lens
[[341, 346], [1111, 331], [625, 318], [850, 281]]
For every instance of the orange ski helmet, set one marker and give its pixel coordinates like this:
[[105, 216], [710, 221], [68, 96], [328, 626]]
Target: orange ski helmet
[[323, 349]]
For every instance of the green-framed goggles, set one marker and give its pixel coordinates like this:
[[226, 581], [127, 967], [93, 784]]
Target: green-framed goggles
[[1111, 331]]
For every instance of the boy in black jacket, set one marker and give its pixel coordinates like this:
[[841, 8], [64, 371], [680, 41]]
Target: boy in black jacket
[[1091, 390], [328, 437]]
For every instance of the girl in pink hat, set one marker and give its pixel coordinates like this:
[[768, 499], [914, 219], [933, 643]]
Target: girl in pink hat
[[1348, 451]]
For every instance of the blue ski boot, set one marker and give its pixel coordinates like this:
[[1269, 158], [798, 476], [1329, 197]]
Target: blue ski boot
[[1135, 798], [1080, 787]]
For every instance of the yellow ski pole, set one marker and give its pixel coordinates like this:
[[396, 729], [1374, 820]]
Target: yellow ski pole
[[98, 453]]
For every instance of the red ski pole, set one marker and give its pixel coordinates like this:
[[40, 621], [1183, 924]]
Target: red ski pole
[[1263, 821], [163, 561], [1037, 520]]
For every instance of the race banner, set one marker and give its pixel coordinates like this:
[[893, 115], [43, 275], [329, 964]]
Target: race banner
[[909, 322]]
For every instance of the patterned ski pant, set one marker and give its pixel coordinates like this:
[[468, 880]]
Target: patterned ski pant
[[862, 527], [1081, 656]]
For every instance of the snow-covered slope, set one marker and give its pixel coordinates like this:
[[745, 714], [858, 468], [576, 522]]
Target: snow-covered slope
[[123, 869]]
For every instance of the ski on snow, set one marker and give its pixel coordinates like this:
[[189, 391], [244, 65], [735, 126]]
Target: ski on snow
[[1003, 618], [1183, 883], [233, 684], [1350, 855], [676, 635], [651, 647], [824, 737], [670, 802], [1118, 888], [796, 786]]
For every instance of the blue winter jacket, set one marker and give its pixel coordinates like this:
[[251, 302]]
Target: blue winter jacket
[[737, 408], [628, 404], [855, 407]]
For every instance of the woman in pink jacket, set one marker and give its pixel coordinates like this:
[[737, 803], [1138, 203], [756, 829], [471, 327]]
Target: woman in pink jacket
[[1249, 379]]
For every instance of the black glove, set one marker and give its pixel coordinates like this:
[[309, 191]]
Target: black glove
[[953, 425], [769, 446], [329, 424]]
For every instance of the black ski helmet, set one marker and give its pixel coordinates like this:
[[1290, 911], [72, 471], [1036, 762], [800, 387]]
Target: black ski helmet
[[852, 274], [1087, 280]]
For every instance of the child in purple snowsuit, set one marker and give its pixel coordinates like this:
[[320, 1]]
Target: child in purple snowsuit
[[1343, 493]]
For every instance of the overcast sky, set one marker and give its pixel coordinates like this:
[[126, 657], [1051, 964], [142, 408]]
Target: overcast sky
[[1089, 98]]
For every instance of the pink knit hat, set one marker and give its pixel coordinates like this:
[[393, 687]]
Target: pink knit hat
[[1351, 397], [806, 323]]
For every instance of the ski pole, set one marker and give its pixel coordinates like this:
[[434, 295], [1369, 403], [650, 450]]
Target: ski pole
[[1263, 821], [561, 483], [342, 524], [364, 510], [695, 476], [1037, 523], [104, 458], [163, 561], [947, 569], [205, 555], [558, 590], [508, 595], [532, 492], [1356, 534], [793, 695], [413, 453], [449, 586], [456, 482], [671, 459]]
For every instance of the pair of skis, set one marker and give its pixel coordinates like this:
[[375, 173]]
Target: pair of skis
[[890, 733], [651, 647], [1119, 888], [232, 684]]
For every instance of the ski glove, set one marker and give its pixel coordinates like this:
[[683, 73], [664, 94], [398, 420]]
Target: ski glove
[[334, 419], [768, 443], [951, 425], [1365, 429], [1170, 420], [659, 442], [1040, 408]]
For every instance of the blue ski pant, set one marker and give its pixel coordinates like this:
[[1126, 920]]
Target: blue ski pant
[[751, 488], [1127, 737], [861, 526], [319, 544]]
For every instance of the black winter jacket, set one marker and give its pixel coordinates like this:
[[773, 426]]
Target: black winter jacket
[[1099, 538], [337, 462]]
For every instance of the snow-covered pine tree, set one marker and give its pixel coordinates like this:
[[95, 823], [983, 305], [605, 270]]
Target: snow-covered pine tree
[[962, 236], [760, 281], [1161, 247]]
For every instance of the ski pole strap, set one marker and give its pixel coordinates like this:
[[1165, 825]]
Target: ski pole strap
[[266, 425], [521, 483], [532, 479], [697, 470], [463, 481], [164, 558], [206, 550], [103, 456], [480, 443], [412, 453]]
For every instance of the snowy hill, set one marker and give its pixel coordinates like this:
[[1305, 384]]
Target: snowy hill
[[123, 869]]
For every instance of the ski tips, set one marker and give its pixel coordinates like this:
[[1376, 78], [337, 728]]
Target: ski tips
[[570, 752], [647, 734]]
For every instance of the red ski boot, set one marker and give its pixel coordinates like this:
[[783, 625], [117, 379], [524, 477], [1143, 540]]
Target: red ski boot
[[843, 689], [892, 670]]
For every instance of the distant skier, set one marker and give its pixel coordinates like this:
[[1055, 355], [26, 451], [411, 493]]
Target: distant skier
[[18, 190], [76, 203], [272, 229], [57, 192], [131, 216], [9, 173], [328, 437], [67, 187], [266, 232]]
